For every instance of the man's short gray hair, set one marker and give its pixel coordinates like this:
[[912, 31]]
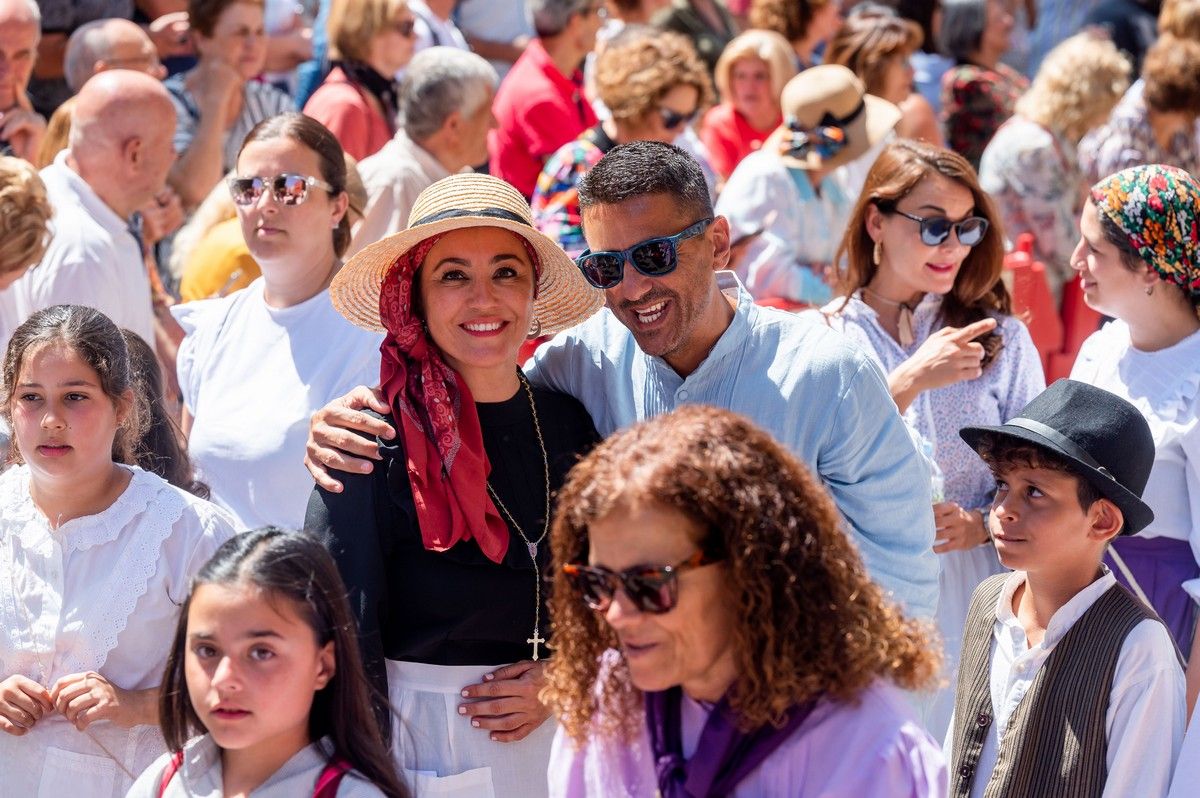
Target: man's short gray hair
[[550, 17], [440, 81], [962, 27]]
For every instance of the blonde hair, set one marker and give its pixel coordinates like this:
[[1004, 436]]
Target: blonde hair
[[58, 133], [1077, 85], [640, 65], [1180, 18], [765, 45], [24, 216], [353, 23]]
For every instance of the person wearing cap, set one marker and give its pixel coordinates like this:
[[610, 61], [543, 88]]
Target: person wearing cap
[[680, 328], [790, 201], [444, 546], [1069, 684], [280, 337], [1139, 262], [920, 288]]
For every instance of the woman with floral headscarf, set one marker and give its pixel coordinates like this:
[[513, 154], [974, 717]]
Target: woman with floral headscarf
[[1139, 262], [445, 544]]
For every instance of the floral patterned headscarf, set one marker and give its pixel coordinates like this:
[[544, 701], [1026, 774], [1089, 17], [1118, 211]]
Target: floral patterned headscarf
[[1157, 207]]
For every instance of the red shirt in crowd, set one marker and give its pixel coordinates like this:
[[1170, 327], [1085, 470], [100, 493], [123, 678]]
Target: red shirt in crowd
[[729, 138], [343, 107], [538, 109]]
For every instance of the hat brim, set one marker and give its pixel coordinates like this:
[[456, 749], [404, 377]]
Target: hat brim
[[1137, 513], [879, 117], [564, 297]]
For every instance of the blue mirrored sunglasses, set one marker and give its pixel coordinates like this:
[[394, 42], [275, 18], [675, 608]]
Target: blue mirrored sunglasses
[[653, 257]]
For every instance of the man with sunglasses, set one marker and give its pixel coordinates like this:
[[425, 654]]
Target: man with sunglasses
[[680, 329]]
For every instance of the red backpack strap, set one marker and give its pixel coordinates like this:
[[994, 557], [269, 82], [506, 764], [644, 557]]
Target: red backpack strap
[[169, 772], [331, 778]]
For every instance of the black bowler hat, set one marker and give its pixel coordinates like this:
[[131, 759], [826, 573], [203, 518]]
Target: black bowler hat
[[1100, 433]]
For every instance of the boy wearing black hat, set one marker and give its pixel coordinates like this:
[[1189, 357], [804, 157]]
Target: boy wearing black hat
[[1068, 685]]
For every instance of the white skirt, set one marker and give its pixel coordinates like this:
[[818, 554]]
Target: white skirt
[[438, 751]]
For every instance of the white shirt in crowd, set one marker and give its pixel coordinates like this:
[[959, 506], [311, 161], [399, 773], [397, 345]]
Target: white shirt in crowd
[[251, 377], [1145, 719], [93, 259], [99, 593], [393, 177], [1165, 387], [1187, 774], [433, 31], [200, 776]]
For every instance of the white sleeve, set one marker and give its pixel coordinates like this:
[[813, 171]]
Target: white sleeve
[[148, 783], [1146, 715], [1187, 776], [1191, 476]]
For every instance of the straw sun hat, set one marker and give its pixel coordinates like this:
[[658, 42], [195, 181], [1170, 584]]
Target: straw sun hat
[[831, 94], [463, 201]]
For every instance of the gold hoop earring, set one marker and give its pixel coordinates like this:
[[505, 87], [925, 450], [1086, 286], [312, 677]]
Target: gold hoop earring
[[877, 255]]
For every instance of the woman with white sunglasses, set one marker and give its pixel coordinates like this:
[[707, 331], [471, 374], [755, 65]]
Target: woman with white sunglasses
[[254, 366]]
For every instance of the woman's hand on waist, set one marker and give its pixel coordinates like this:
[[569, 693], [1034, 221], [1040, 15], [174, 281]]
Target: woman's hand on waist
[[506, 702]]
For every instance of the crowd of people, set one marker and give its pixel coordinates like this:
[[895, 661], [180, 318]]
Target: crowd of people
[[599, 398]]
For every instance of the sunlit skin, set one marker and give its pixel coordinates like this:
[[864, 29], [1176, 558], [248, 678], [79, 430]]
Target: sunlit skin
[[751, 95], [64, 426], [252, 665], [1108, 285], [239, 39], [476, 289], [678, 316], [897, 79], [997, 30], [389, 50], [691, 645], [909, 268], [292, 243], [18, 50], [682, 100]]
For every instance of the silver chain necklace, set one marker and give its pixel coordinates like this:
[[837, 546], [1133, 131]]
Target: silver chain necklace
[[531, 545]]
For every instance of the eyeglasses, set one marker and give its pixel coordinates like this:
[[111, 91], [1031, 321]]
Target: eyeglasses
[[654, 257], [936, 229], [287, 189], [673, 119], [826, 141], [652, 589], [405, 27]]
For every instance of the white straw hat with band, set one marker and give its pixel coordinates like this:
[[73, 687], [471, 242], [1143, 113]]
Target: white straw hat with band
[[830, 96], [564, 297]]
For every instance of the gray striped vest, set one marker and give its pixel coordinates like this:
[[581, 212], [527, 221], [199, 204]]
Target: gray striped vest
[[1056, 743]]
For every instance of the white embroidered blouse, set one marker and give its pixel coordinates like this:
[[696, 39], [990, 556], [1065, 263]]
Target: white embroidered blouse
[[100, 593]]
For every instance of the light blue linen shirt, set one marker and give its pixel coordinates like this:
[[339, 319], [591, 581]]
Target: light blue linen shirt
[[812, 388]]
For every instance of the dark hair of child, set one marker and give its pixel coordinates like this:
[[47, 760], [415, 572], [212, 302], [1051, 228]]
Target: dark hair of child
[[1002, 454], [161, 450], [297, 567]]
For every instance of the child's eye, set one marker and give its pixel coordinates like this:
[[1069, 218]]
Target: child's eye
[[76, 397], [1001, 486], [204, 652], [261, 653], [29, 397], [1034, 492]]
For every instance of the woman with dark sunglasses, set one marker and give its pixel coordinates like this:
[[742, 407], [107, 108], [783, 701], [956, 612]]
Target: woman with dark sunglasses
[[703, 591], [371, 41], [255, 365], [445, 544], [654, 86], [921, 289]]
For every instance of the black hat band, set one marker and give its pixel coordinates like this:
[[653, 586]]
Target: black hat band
[[1061, 441], [459, 213]]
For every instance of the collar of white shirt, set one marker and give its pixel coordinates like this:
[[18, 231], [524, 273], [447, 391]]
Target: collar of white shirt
[[1062, 620], [65, 185]]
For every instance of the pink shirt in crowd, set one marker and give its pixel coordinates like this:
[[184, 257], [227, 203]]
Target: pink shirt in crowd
[[538, 109], [343, 108], [729, 138]]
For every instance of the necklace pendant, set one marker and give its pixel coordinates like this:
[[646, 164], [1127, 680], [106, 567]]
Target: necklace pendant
[[532, 548]]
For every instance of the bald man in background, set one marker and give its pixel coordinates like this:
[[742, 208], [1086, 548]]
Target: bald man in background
[[21, 128], [117, 159], [109, 44]]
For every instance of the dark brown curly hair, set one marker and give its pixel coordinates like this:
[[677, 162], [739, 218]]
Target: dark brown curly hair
[[978, 289], [814, 622], [788, 17]]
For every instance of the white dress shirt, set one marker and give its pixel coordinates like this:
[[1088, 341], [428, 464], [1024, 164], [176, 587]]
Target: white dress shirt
[[1145, 719], [1165, 387], [92, 260], [393, 177], [99, 593]]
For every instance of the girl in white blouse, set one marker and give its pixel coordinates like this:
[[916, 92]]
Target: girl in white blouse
[[265, 666], [95, 556]]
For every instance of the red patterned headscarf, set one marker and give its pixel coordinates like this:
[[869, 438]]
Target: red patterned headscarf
[[433, 407]]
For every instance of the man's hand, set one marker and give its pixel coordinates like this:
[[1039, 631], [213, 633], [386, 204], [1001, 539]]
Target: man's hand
[[23, 702], [506, 701], [23, 128], [171, 35], [333, 443], [161, 216]]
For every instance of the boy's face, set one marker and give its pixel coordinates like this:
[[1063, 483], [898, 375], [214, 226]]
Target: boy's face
[[1037, 521]]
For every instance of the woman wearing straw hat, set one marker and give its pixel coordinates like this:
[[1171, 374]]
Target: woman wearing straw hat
[[444, 545], [790, 201]]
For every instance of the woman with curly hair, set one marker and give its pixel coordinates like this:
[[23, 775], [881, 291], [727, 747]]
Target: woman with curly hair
[[653, 85], [807, 24], [1031, 166], [920, 288], [715, 624]]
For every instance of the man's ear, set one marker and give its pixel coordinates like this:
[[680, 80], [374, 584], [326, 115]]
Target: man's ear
[[131, 150], [720, 241], [1106, 520]]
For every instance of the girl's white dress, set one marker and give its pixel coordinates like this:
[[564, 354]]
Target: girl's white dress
[[100, 593]]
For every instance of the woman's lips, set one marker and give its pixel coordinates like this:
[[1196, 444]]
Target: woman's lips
[[53, 450], [484, 329], [941, 268], [230, 714]]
